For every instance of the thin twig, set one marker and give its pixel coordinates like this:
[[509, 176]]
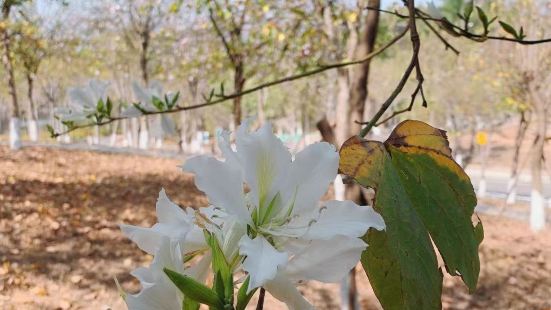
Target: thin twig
[[413, 64], [439, 36], [222, 98], [458, 31], [227, 46], [260, 304]]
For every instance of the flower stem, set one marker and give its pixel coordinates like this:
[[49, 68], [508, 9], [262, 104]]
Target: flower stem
[[260, 304]]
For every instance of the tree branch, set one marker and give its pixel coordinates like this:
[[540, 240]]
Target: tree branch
[[439, 36], [260, 304], [413, 64], [227, 46], [221, 97], [458, 31]]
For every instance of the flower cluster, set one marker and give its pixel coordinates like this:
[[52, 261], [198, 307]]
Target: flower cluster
[[266, 222]]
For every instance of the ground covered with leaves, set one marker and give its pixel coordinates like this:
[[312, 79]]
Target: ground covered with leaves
[[60, 245]]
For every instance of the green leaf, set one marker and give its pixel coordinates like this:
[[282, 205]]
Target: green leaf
[[219, 284], [108, 107], [422, 194], [521, 34], [243, 298], [51, 130], [220, 266], [140, 108], [194, 290], [508, 28], [100, 106], [468, 10], [483, 18], [492, 20], [174, 100], [190, 304], [158, 103], [69, 124]]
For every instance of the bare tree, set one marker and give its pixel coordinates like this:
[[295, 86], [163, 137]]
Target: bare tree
[[7, 61]]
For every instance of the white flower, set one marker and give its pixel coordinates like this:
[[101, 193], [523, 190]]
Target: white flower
[[158, 291], [289, 238], [83, 101], [177, 237], [174, 223], [162, 123]]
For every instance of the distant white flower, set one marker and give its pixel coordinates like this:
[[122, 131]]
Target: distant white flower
[[144, 95], [83, 102], [288, 238]]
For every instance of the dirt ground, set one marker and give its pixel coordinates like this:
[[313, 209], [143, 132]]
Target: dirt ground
[[60, 246]]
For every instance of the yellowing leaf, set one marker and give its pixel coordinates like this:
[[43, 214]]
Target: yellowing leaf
[[422, 194], [420, 135]]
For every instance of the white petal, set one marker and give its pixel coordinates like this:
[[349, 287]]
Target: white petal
[[265, 161], [131, 111], [326, 260], [98, 89], [262, 260], [224, 144], [158, 292], [232, 233], [154, 297], [200, 270], [145, 238], [169, 255], [144, 275], [149, 239], [141, 94], [81, 97], [344, 218], [221, 183], [284, 290], [169, 212], [311, 173], [195, 240]]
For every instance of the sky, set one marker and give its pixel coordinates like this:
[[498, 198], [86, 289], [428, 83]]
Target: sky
[[42, 5]]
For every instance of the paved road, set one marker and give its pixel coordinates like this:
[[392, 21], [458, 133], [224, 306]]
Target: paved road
[[497, 181]]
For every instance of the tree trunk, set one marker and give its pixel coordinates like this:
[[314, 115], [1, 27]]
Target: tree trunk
[[32, 126], [238, 84], [360, 73], [113, 139], [143, 56], [537, 201], [14, 136], [342, 107], [511, 187], [351, 99], [143, 135]]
